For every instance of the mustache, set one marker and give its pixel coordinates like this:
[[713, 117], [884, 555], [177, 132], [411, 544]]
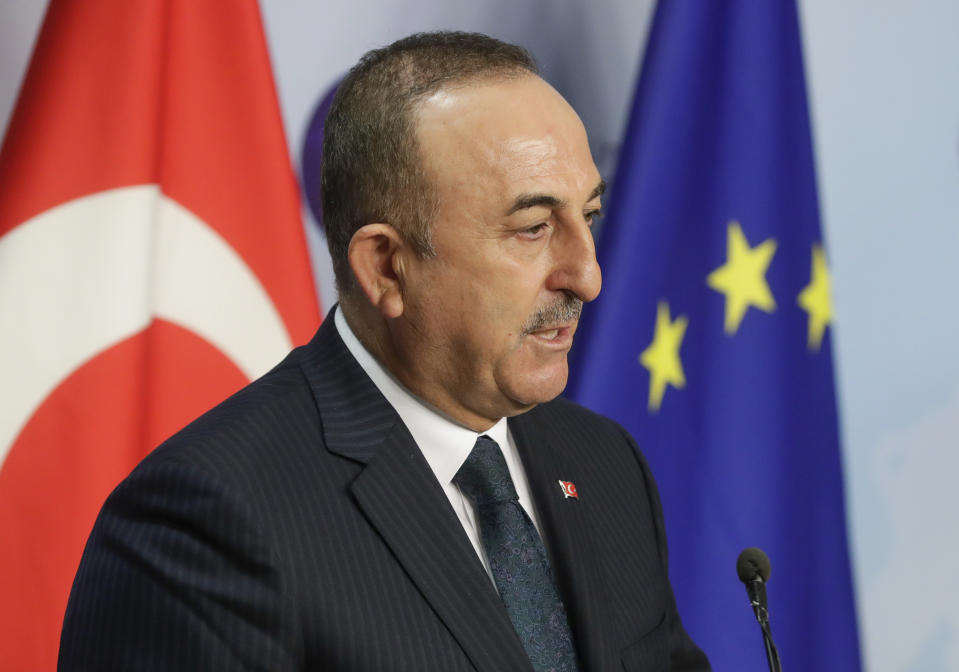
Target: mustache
[[560, 311]]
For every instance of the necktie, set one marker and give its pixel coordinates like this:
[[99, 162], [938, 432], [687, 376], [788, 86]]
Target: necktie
[[517, 558]]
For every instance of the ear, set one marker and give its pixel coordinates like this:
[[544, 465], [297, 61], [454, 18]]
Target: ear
[[373, 257]]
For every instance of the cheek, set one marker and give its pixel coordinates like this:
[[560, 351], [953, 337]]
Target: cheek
[[513, 294], [485, 331], [457, 315], [483, 301]]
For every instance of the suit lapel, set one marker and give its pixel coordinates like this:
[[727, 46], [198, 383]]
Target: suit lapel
[[568, 530], [402, 499]]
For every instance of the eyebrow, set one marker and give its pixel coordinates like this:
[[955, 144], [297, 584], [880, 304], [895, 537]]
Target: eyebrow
[[526, 201], [598, 191]]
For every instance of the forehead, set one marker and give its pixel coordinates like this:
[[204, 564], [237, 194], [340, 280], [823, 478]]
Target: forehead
[[510, 135]]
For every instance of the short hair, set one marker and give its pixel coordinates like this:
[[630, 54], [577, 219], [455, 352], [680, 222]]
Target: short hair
[[372, 170]]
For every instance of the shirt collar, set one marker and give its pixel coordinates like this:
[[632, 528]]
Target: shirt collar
[[444, 443]]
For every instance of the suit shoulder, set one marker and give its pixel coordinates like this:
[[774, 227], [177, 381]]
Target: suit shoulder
[[563, 411], [584, 432], [264, 413]]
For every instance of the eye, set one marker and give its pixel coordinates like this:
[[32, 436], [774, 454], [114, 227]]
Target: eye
[[534, 232], [592, 215]]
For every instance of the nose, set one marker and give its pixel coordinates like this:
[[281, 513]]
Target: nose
[[575, 267]]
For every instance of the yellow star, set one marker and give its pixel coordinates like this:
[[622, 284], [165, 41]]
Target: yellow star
[[743, 277], [661, 358], [815, 298]]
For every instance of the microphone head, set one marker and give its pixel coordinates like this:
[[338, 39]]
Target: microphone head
[[751, 562]]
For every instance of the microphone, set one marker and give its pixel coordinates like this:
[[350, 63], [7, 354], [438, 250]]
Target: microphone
[[753, 570]]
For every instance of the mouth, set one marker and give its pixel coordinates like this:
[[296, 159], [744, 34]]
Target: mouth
[[559, 336], [552, 326]]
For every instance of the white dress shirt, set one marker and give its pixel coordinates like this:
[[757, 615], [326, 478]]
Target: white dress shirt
[[444, 443]]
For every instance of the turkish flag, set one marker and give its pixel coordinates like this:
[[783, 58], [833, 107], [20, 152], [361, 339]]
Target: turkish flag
[[152, 261]]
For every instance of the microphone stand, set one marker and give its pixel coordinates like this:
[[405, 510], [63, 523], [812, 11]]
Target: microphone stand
[[757, 598]]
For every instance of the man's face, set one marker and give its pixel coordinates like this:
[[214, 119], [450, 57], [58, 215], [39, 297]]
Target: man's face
[[489, 320]]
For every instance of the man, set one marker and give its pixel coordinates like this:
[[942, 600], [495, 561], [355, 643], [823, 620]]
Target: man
[[404, 493]]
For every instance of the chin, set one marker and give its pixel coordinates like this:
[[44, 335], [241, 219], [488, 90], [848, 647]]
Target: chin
[[533, 389]]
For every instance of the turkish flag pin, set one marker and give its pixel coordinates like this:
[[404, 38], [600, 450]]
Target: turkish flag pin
[[569, 489]]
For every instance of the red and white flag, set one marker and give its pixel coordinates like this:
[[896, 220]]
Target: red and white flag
[[152, 261]]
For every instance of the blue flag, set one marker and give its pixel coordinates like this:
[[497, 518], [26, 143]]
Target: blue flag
[[710, 341]]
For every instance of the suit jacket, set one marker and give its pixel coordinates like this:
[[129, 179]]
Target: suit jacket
[[297, 526]]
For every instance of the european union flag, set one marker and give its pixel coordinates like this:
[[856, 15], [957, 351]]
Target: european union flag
[[711, 339]]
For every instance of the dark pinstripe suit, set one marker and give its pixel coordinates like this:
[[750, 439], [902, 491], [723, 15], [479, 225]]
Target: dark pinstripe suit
[[297, 526]]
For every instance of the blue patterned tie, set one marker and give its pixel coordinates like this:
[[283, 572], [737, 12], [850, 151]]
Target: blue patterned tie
[[517, 559]]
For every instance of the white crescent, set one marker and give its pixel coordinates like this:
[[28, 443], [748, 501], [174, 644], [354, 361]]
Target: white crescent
[[87, 274]]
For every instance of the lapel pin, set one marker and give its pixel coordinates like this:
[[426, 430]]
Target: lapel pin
[[569, 489]]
